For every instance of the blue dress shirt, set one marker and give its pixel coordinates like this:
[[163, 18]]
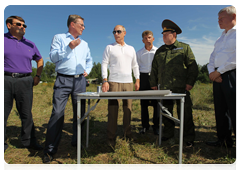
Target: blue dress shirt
[[70, 61]]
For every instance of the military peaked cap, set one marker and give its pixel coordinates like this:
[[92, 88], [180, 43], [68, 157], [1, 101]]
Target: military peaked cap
[[168, 25]]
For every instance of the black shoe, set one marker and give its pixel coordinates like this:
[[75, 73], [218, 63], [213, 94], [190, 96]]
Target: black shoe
[[47, 158], [190, 144], [143, 130], [220, 143], [164, 138], [156, 131], [35, 146]]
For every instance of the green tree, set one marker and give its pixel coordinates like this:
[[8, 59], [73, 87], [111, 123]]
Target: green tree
[[203, 75], [34, 72], [96, 72], [48, 72], [49, 69]]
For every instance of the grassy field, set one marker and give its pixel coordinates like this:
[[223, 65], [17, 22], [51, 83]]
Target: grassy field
[[143, 149]]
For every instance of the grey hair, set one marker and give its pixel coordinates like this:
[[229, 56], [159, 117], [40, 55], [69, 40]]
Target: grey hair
[[124, 29], [229, 10]]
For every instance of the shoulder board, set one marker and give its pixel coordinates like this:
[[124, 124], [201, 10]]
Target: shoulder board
[[183, 43]]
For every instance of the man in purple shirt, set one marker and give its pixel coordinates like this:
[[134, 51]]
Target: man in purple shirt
[[18, 82]]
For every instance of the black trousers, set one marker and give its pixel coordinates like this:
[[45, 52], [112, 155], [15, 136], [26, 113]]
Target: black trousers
[[169, 125], [63, 87], [145, 85], [225, 101], [20, 89]]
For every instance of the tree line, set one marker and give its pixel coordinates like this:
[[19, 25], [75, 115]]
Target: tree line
[[49, 74]]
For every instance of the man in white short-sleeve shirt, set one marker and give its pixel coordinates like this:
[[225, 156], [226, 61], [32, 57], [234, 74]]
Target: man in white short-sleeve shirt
[[121, 59]]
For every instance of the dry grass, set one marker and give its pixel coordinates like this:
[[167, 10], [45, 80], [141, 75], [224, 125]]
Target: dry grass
[[143, 150]]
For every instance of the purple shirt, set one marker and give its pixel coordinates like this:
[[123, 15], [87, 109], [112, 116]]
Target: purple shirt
[[18, 54]]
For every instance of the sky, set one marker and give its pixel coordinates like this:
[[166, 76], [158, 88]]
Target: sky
[[199, 24]]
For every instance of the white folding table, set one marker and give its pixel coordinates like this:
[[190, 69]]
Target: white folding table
[[148, 94]]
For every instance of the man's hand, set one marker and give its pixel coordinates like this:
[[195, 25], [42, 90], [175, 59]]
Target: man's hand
[[154, 88], [105, 87], [36, 80], [219, 79], [137, 85], [188, 87], [74, 43], [85, 74], [214, 75]]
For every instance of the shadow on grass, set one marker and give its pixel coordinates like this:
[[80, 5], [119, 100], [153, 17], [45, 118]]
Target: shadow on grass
[[202, 107]]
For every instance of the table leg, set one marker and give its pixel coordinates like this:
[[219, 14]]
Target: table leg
[[79, 131], [160, 125], [87, 138], [181, 130]]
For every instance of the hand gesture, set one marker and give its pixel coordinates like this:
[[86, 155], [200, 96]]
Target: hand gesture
[[85, 74], [74, 43]]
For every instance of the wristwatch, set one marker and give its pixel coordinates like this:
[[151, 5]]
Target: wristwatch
[[104, 81], [38, 76]]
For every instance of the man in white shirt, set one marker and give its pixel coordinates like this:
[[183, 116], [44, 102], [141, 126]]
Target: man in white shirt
[[144, 59], [222, 71], [121, 59]]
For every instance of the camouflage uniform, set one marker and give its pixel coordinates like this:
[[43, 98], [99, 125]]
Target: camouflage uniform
[[173, 67]]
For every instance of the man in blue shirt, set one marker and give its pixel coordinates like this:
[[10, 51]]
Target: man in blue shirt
[[73, 61]]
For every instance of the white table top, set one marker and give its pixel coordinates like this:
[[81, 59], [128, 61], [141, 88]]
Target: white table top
[[147, 94]]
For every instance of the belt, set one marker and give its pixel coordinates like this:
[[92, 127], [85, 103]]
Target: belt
[[145, 73], [16, 75], [229, 70], [75, 76]]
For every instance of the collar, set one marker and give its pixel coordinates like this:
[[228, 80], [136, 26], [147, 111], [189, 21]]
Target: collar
[[115, 43], [68, 34], [9, 35], [235, 27], [229, 31], [153, 48], [175, 44]]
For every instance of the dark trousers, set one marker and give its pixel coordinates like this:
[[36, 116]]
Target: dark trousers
[[169, 125], [145, 85], [63, 87], [225, 101], [20, 89]]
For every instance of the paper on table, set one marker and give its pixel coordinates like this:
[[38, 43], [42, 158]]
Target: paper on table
[[137, 93]]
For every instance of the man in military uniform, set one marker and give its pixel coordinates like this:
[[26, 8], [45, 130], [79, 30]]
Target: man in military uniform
[[174, 67]]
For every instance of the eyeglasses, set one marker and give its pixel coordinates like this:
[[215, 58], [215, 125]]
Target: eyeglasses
[[118, 31], [80, 24], [19, 24]]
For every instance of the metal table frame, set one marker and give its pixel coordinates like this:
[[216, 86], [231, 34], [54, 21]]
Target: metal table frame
[[173, 96]]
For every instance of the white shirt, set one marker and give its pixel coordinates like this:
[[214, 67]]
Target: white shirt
[[223, 56], [121, 60], [145, 58]]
